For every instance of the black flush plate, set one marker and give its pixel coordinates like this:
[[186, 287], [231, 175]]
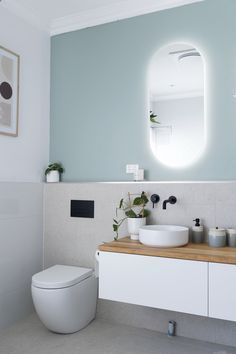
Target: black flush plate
[[82, 208]]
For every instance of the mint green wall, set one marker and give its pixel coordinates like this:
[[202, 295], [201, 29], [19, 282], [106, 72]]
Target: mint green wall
[[99, 93]]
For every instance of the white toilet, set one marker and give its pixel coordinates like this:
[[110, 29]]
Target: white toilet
[[65, 297]]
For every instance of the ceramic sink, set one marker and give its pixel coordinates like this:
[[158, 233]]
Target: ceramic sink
[[164, 235]]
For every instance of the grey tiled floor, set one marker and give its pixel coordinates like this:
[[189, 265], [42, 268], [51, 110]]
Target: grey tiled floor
[[30, 337]]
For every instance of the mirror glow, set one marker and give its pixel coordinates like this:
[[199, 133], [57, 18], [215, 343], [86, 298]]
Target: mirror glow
[[176, 102]]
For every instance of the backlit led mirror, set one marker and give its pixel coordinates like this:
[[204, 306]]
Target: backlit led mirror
[[176, 105]]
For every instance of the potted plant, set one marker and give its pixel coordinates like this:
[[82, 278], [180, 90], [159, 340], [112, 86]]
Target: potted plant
[[153, 118], [134, 212], [53, 172]]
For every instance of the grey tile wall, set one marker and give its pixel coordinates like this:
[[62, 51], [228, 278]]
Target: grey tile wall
[[74, 241]]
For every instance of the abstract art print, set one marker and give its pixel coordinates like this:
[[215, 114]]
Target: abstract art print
[[9, 92]]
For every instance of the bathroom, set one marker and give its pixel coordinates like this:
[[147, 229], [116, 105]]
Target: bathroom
[[83, 102]]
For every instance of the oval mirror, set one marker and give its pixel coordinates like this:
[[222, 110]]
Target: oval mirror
[[176, 102]]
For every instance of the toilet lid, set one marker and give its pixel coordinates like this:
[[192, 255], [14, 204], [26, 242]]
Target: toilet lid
[[60, 276]]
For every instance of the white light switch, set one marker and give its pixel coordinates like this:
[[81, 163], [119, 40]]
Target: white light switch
[[139, 175], [132, 168]]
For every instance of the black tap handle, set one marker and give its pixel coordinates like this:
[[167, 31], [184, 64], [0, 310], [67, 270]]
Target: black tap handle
[[172, 200], [154, 199]]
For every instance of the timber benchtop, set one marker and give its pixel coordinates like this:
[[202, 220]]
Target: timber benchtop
[[195, 252]]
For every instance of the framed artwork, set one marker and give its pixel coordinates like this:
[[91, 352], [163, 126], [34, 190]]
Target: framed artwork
[[9, 92]]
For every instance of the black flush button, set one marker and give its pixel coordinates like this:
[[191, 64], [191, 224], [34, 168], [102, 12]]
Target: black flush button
[[82, 208]]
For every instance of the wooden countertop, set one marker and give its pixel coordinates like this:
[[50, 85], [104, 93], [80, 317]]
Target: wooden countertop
[[196, 252]]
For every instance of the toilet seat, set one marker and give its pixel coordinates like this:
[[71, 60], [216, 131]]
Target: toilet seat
[[60, 276]]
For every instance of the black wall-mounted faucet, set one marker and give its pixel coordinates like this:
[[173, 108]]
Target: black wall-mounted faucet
[[154, 199], [172, 200]]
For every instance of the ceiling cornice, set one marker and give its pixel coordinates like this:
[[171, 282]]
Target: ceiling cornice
[[114, 12], [97, 16]]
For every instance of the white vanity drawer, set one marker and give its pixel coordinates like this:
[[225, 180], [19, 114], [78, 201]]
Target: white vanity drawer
[[165, 283], [222, 291]]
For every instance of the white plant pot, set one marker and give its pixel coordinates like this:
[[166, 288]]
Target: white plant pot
[[53, 176], [133, 227]]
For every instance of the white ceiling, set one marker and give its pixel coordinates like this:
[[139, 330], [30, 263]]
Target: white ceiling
[[53, 9], [58, 16]]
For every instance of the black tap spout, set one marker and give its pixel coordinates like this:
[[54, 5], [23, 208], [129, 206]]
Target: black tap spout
[[172, 200]]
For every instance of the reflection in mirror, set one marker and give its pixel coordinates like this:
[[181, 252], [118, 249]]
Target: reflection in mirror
[[176, 94]]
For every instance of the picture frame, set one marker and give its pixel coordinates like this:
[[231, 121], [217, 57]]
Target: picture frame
[[9, 92]]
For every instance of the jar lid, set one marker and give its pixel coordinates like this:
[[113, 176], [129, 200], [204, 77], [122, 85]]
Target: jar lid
[[231, 231], [217, 232]]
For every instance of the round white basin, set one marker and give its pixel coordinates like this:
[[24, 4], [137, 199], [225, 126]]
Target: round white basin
[[164, 235]]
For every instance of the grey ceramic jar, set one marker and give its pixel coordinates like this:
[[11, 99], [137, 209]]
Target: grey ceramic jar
[[217, 237], [231, 237]]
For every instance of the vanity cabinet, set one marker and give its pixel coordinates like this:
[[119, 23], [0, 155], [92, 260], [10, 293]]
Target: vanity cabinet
[[195, 279], [222, 291], [164, 283]]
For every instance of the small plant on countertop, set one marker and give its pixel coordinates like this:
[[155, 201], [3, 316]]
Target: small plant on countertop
[[132, 208], [152, 118], [56, 166]]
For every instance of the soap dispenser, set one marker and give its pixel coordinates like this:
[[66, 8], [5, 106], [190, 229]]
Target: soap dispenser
[[197, 232]]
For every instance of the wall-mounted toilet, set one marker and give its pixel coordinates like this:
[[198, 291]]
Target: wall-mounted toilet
[[65, 297]]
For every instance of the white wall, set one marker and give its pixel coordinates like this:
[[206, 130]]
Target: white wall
[[20, 247], [23, 160]]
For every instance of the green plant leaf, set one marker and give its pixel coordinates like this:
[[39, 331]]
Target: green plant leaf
[[138, 201], [153, 120], [153, 115], [130, 214], [56, 166], [115, 227], [144, 198], [145, 213], [121, 203]]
